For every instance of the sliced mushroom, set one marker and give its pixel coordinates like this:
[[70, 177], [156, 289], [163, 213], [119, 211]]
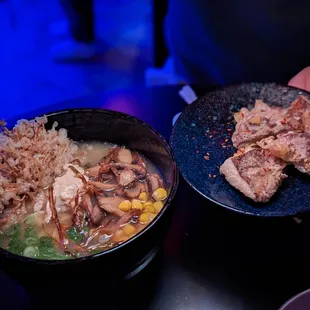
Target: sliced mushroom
[[95, 214], [104, 186], [108, 218], [154, 182], [107, 176], [124, 155], [135, 191], [127, 217], [115, 171], [110, 204], [138, 159], [146, 186], [104, 168], [139, 170], [126, 177]]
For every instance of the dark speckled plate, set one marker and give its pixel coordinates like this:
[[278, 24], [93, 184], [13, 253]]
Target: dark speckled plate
[[205, 128]]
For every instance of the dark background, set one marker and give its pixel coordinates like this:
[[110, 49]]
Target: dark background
[[129, 34], [212, 259]]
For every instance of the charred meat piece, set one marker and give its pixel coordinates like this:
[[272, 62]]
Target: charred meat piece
[[110, 204], [118, 154], [104, 168], [107, 176], [154, 182], [256, 173], [264, 121], [97, 215], [103, 186], [135, 191], [137, 159], [90, 204], [291, 147], [127, 217], [124, 155], [140, 171], [126, 177]]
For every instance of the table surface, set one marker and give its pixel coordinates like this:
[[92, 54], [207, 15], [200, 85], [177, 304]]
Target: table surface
[[213, 259]]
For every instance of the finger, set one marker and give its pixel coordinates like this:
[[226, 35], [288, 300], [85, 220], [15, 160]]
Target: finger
[[301, 80]]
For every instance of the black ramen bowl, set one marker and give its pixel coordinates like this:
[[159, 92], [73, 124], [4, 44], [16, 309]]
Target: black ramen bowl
[[127, 259]]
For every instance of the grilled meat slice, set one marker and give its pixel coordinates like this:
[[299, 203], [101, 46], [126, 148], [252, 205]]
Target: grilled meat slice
[[260, 122], [264, 121], [291, 147], [254, 172]]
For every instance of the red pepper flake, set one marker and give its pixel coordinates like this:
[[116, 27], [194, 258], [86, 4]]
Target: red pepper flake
[[207, 157], [283, 121]]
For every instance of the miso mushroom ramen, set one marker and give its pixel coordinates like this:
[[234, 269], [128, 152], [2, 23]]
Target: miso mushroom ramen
[[60, 199]]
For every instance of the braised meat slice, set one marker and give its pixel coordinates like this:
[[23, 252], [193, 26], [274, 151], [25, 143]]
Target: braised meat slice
[[291, 147], [255, 173]]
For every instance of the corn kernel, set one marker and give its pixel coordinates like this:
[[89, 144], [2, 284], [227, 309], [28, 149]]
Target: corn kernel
[[137, 204], [143, 196], [147, 203], [129, 230], [125, 205], [144, 218], [160, 194], [158, 205], [118, 236], [150, 209]]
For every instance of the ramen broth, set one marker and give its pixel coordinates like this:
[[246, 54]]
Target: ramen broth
[[92, 153], [104, 197]]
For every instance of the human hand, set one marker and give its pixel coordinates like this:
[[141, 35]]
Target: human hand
[[301, 80]]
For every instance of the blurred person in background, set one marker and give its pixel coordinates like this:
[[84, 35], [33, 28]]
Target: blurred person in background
[[81, 45], [225, 42]]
